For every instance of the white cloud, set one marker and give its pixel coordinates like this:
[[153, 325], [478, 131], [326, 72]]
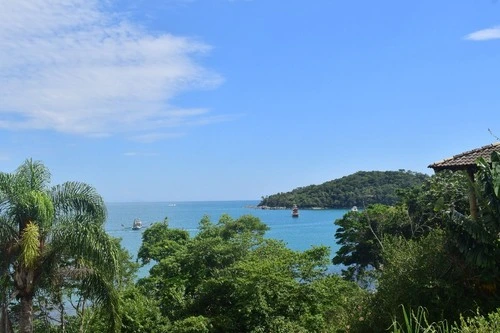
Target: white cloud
[[485, 34], [73, 67]]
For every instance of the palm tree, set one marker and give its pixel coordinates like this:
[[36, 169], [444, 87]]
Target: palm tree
[[53, 233]]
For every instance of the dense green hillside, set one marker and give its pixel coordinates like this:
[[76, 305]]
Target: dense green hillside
[[359, 189]]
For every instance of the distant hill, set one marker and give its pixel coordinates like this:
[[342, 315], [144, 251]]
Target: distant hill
[[359, 189]]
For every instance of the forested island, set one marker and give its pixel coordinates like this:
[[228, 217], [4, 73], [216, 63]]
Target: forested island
[[362, 188]]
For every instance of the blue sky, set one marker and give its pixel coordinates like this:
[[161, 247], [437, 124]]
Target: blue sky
[[177, 100]]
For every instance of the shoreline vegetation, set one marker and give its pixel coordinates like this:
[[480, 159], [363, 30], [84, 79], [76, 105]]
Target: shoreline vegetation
[[360, 189], [421, 263], [288, 208]]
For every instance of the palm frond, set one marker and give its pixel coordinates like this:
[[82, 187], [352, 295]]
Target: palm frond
[[97, 288], [34, 174], [58, 234], [31, 206], [91, 258], [10, 188], [81, 238], [8, 239], [6, 184], [75, 198], [8, 231]]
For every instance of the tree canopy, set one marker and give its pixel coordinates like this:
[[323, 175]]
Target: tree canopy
[[362, 188], [423, 262], [427, 251], [50, 237], [229, 278]]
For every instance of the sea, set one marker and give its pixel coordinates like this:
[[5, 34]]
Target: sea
[[312, 227]]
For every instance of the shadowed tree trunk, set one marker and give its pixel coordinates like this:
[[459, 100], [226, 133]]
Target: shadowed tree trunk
[[472, 195], [5, 324], [24, 279], [26, 315]]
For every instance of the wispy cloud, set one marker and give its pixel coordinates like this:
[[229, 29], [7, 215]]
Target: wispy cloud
[[72, 66], [484, 34]]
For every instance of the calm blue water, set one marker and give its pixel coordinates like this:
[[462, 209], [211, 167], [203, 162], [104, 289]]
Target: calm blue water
[[313, 227]]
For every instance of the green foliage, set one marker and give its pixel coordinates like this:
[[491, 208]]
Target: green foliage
[[334, 304], [478, 240], [493, 171], [194, 324], [423, 209], [267, 287], [160, 241], [280, 325], [419, 272], [362, 188], [228, 278], [53, 237], [428, 205], [416, 322], [480, 323], [430, 253], [140, 314], [360, 235], [127, 272], [37, 206]]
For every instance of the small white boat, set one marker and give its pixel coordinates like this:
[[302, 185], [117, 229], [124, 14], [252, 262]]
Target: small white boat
[[295, 211], [137, 224], [354, 209]]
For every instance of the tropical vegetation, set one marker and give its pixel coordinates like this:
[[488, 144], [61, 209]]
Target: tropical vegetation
[[419, 264], [362, 188], [427, 254], [229, 278], [52, 241]]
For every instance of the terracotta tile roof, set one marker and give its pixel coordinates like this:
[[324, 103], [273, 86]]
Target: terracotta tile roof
[[466, 160]]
